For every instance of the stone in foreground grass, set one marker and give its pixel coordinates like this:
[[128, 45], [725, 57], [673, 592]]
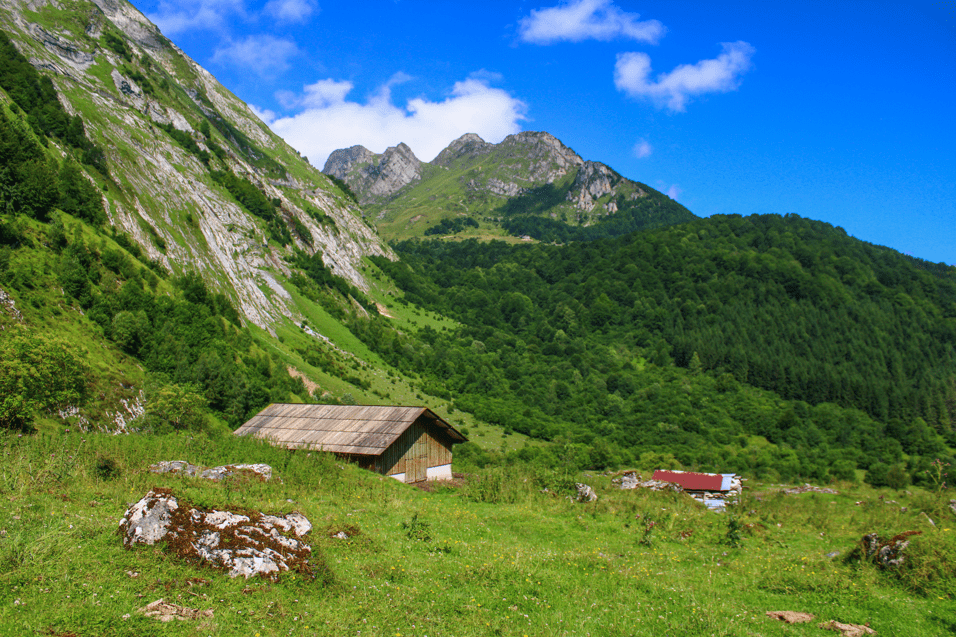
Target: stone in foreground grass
[[245, 544]]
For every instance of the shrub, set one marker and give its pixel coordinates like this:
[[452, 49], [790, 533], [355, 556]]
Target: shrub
[[38, 374]]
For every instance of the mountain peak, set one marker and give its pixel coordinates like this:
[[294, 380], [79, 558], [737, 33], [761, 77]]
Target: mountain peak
[[469, 137], [340, 162], [375, 177], [468, 145]]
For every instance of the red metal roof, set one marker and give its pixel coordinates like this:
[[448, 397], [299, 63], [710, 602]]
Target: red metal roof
[[690, 480]]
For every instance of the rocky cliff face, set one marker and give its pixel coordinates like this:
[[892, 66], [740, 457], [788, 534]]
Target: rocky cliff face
[[164, 196], [592, 182], [341, 162]]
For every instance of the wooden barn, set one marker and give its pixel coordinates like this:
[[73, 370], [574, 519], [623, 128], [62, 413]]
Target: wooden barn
[[410, 444]]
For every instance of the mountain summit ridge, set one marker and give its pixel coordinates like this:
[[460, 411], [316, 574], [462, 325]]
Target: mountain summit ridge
[[499, 187]]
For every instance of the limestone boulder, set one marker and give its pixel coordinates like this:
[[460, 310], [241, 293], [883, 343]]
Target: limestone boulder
[[245, 544]]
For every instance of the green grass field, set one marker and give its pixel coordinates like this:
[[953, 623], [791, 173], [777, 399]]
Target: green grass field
[[494, 555]]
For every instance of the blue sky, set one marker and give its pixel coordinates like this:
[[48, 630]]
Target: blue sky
[[839, 111]]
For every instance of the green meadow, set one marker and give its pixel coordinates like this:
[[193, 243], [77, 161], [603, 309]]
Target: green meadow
[[501, 551]]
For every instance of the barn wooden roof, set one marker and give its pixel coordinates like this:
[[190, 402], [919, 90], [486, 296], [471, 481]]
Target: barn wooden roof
[[359, 429]]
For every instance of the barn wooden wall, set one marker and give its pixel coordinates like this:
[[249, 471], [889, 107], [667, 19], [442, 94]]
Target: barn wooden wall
[[414, 451]]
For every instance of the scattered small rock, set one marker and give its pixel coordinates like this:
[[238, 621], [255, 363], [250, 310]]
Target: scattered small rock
[[833, 554], [790, 616], [585, 493], [165, 611], [341, 535], [886, 554], [848, 630], [808, 488]]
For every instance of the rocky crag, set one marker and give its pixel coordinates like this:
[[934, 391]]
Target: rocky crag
[[375, 177]]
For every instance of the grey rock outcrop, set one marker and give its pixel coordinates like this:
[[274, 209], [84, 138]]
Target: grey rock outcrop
[[66, 50], [263, 471], [148, 521], [240, 544], [628, 480], [548, 158], [9, 306], [167, 611], [503, 188], [887, 554], [593, 181], [375, 177], [340, 162]]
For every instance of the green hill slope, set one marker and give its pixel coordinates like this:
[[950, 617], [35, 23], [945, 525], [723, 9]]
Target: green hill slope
[[644, 342], [175, 254]]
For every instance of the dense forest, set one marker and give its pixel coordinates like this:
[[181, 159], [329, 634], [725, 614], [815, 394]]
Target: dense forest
[[197, 356], [664, 339]]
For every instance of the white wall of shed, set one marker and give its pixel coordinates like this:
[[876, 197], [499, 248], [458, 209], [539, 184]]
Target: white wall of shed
[[441, 472]]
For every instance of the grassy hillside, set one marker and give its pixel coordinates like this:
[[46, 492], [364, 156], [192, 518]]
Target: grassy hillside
[[495, 555]]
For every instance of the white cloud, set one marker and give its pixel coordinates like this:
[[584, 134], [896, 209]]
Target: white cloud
[[290, 10], [174, 17], [579, 20], [674, 192], [328, 121], [642, 149], [264, 114], [323, 94], [262, 54], [632, 71]]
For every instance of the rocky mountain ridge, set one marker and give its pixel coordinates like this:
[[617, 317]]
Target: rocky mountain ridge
[[114, 67], [526, 173]]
